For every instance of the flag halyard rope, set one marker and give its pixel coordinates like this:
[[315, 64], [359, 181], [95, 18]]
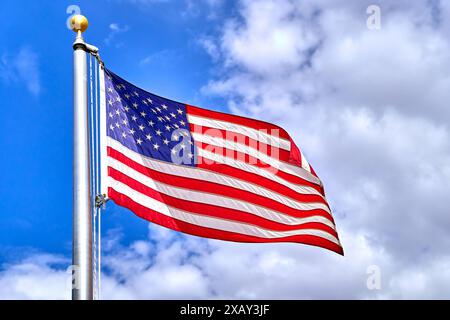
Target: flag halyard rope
[[97, 177], [98, 199], [93, 177]]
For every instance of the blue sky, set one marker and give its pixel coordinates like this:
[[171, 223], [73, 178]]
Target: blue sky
[[154, 47], [366, 103]]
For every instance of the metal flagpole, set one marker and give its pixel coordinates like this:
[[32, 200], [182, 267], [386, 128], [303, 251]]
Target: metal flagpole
[[82, 287]]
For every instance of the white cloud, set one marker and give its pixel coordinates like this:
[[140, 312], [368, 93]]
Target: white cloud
[[22, 68], [115, 29], [210, 46], [170, 266], [211, 9], [39, 276], [161, 58], [273, 39]]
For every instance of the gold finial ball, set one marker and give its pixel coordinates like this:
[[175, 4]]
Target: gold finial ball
[[79, 23]]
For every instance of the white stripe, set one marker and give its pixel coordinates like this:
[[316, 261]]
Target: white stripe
[[210, 222], [305, 164], [207, 175], [274, 163], [103, 146], [239, 165], [220, 200], [258, 135], [247, 167], [204, 175]]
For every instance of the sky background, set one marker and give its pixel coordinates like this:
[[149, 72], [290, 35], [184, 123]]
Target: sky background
[[369, 108]]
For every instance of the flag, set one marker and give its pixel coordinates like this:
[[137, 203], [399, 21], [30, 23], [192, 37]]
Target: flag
[[208, 173]]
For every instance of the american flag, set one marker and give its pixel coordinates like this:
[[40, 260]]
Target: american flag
[[210, 174]]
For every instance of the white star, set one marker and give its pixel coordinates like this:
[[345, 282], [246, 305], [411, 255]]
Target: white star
[[164, 107], [127, 96], [165, 141], [168, 128], [117, 112], [179, 111], [151, 123], [154, 111], [145, 102], [110, 102], [111, 127], [159, 109], [155, 146], [190, 155], [167, 118], [117, 124], [118, 99], [148, 137], [174, 151], [173, 115], [124, 134], [135, 105], [132, 131], [124, 121], [158, 132], [176, 126], [143, 114], [150, 100], [111, 114], [110, 89], [126, 108], [134, 118], [136, 94], [139, 141], [141, 127], [182, 122], [175, 137], [160, 119], [183, 146]]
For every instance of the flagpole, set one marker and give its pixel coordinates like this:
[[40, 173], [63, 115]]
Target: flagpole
[[82, 286]]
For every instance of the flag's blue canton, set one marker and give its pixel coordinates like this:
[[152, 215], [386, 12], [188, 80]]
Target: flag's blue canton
[[146, 123]]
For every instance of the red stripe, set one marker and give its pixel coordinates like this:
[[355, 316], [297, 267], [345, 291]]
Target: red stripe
[[245, 158], [221, 190], [218, 189], [251, 123], [207, 186], [278, 153], [252, 177], [294, 155], [213, 210], [175, 224]]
